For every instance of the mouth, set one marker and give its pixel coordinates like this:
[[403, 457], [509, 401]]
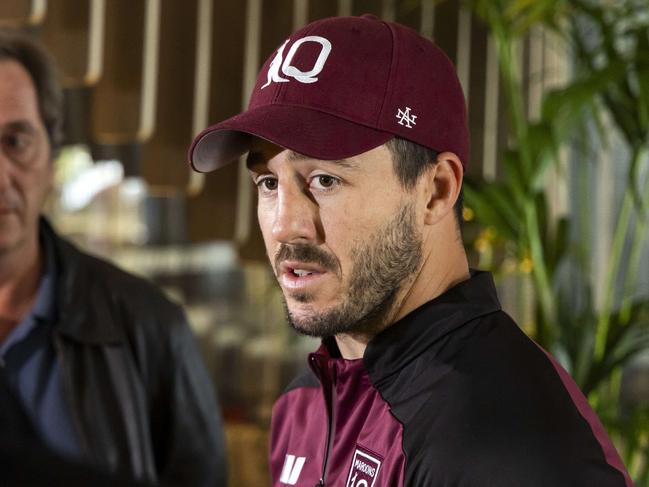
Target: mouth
[[294, 275], [8, 205]]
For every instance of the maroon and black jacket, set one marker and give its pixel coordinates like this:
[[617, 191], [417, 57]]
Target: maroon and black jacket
[[454, 394]]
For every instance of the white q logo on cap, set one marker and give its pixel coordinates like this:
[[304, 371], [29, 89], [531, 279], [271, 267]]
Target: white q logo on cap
[[292, 71]]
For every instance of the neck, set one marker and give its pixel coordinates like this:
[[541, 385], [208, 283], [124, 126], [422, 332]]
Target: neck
[[441, 269], [352, 346]]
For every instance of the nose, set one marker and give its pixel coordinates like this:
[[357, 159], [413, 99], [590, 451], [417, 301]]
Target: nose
[[296, 215]]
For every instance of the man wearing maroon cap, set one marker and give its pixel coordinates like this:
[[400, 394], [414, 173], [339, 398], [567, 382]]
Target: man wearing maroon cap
[[357, 141]]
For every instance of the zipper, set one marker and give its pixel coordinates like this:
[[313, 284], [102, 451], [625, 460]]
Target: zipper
[[330, 401]]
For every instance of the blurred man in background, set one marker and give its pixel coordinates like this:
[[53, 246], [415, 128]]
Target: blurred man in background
[[357, 141], [103, 364]]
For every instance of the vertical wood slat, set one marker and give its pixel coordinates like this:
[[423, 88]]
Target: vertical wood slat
[[360, 7], [300, 13], [476, 88], [202, 79], [211, 212], [73, 32], [345, 7], [319, 9], [164, 154], [150, 69], [427, 24], [409, 14], [555, 74], [602, 222], [463, 63], [535, 74], [492, 88], [22, 13], [445, 28], [123, 108], [388, 10]]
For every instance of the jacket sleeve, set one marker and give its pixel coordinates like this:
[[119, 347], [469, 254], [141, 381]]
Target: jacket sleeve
[[187, 428]]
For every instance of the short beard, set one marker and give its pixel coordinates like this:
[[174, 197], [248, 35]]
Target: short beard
[[384, 264]]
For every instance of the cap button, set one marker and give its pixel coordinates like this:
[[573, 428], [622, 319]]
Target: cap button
[[370, 17]]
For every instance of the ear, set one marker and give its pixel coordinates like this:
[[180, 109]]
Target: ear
[[444, 184]]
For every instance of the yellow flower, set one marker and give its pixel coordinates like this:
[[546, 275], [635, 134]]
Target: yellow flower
[[482, 244], [468, 214], [526, 265], [509, 266], [490, 233]]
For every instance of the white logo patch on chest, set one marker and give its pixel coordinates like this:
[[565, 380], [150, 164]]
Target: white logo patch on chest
[[364, 469]]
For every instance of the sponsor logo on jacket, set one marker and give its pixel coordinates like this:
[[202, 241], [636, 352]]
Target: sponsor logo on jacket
[[291, 469], [364, 469]]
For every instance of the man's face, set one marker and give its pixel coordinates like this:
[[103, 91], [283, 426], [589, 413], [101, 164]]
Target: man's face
[[342, 236], [25, 167]]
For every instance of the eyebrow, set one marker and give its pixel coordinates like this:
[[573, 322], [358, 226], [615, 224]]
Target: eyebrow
[[346, 163], [21, 125], [253, 155]]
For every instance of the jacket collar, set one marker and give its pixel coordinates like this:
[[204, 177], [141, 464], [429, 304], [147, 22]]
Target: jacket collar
[[405, 340], [85, 312]]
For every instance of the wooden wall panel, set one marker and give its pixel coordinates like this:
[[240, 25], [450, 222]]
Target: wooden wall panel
[[319, 9], [277, 25], [360, 7], [477, 99], [446, 26], [164, 163], [120, 112], [22, 13], [211, 213], [409, 13], [72, 31]]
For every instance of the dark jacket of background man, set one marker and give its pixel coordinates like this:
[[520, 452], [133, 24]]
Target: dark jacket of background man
[[135, 381], [24, 460]]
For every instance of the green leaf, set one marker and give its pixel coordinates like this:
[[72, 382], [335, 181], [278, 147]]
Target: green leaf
[[492, 207], [563, 109]]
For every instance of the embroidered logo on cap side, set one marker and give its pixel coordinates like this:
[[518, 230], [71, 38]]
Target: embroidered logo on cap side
[[405, 118], [290, 70], [364, 469]]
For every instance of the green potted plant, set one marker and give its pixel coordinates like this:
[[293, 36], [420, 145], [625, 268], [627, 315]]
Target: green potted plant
[[594, 339]]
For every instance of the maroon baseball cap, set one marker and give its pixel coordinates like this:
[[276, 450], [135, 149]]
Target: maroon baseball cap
[[340, 87]]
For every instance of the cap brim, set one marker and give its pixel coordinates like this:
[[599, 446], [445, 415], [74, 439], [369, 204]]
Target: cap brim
[[306, 131]]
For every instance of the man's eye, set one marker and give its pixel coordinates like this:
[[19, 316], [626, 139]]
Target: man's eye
[[18, 146], [16, 142], [267, 184], [324, 181]]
